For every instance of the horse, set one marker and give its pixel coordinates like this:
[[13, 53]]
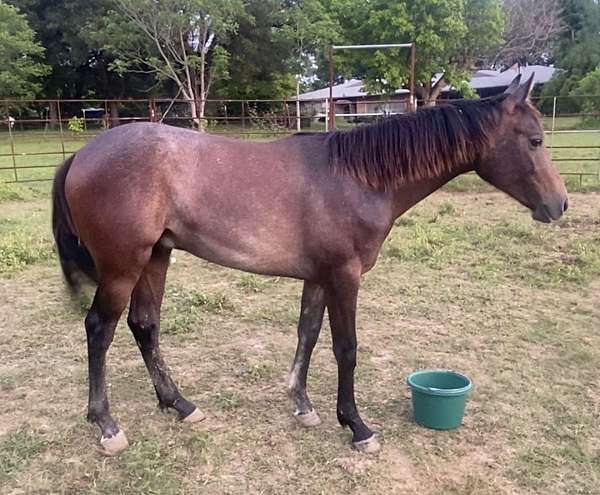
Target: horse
[[315, 207]]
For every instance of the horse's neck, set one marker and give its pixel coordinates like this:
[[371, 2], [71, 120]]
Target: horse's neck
[[409, 195]]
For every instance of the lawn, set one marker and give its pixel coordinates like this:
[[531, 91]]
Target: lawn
[[465, 281]]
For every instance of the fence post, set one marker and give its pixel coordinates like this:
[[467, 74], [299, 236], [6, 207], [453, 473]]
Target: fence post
[[12, 142], [60, 127], [243, 115], [298, 122], [105, 120], [553, 124]]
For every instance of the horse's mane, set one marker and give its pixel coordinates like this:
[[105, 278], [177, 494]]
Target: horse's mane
[[415, 146]]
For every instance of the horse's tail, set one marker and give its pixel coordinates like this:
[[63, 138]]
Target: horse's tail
[[75, 259]]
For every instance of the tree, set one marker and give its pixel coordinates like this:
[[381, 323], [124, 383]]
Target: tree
[[20, 65], [578, 52], [181, 41], [448, 34], [533, 28], [588, 90]]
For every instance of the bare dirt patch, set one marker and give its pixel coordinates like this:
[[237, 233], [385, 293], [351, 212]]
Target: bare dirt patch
[[466, 282]]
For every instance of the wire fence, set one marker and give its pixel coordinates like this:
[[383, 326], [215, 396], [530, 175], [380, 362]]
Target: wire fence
[[37, 135]]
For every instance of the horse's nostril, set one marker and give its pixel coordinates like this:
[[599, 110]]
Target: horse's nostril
[[566, 205]]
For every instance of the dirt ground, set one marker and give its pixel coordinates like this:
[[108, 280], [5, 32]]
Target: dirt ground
[[466, 282]]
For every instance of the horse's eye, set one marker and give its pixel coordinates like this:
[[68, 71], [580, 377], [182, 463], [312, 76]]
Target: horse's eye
[[536, 142]]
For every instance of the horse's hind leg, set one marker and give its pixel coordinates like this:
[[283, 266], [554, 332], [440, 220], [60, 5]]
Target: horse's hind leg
[[109, 302], [144, 322], [309, 326]]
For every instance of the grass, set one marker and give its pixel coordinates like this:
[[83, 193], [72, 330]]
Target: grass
[[16, 449], [465, 281]]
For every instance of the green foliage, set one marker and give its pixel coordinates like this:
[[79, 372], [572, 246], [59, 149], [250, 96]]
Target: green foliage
[[75, 125], [20, 56], [448, 35], [173, 40], [588, 91], [578, 53], [19, 249]]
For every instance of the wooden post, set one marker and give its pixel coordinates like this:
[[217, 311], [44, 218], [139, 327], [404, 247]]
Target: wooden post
[[331, 126]]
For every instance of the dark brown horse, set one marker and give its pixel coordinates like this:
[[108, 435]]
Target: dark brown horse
[[314, 207]]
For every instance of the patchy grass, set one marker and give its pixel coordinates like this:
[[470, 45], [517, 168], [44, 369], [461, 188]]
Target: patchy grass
[[25, 235], [498, 250], [16, 449], [465, 281], [186, 308]]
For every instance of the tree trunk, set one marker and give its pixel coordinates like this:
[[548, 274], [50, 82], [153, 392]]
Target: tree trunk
[[114, 114], [194, 112], [432, 92], [53, 114]]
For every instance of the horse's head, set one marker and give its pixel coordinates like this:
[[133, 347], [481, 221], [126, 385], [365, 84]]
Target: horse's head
[[518, 162]]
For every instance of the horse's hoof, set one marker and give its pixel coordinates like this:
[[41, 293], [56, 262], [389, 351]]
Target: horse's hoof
[[194, 417], [369, 446], [114, 445], [308, 419]]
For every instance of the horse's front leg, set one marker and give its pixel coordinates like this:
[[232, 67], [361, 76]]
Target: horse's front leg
[[309, 326], [341, 300]]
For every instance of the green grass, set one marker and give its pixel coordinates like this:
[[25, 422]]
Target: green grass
[[494, 251], [25, 233], [16, 449], [187, 308]]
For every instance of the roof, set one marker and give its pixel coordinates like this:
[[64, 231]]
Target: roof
[[482, 79], [495, 79], [353, 88]]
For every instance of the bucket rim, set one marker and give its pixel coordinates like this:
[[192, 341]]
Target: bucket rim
[[437, 391]]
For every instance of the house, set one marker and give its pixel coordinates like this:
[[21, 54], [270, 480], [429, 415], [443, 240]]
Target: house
[[352, 100]]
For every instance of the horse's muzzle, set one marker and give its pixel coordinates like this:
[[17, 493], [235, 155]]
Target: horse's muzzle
[[550, 210]]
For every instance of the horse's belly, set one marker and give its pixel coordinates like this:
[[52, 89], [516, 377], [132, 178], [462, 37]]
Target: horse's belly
[[251, 253]]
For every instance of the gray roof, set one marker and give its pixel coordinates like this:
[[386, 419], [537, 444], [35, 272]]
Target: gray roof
[[481, 79], [352, 88], [496, 79]]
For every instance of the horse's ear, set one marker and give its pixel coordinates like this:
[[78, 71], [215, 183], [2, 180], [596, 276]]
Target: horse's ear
[[514, 85], [519, 94]]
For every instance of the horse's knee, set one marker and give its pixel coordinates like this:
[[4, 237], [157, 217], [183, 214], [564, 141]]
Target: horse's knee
[[143, 328], [98, 330]]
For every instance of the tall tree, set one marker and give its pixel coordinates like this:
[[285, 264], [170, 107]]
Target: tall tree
[[20, 56], [578, 52], [181, 41], [533, 29], [446, 33]]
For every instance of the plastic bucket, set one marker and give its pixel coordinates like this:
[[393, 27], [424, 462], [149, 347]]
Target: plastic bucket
[[439, 398]]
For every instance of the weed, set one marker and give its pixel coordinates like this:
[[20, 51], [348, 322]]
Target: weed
[[18, 249], [185, 309], [228, 400], [16, 448]]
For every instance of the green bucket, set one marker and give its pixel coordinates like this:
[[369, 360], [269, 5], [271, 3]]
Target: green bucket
[[439, 398]]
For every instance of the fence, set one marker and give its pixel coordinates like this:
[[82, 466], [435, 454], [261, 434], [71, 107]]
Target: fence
[[37, 135]]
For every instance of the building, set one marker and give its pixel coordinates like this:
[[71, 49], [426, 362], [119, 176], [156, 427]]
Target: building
[[353, 102]]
